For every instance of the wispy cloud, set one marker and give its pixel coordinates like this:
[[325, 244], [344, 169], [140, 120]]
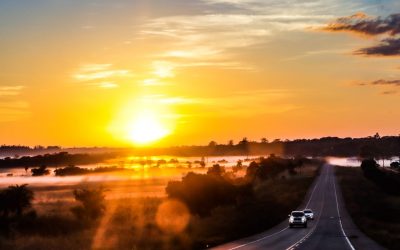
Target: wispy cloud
[[383, 82], [102, 75], [391, 85], [219, 40], [10, 90], [11, 107], [250, 103], [390, 92]]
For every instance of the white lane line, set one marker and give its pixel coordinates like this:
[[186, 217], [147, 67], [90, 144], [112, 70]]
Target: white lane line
[[312, 193], [265, 237], [340, 221]]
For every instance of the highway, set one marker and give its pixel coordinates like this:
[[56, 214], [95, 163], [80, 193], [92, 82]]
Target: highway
[[332, 227]]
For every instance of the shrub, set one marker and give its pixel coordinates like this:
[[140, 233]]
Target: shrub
[[15, 199], [202, 193], [92, 203], [42, 170]]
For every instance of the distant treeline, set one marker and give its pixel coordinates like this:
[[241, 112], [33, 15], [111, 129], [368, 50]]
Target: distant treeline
[[374, 146], [369, 147], [55, 160]]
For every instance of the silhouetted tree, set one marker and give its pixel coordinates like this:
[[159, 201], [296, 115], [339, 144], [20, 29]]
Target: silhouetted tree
[[244, 145], [42, 170], [216, 170], [202, 193], [92, 203], [395, 164], [15, 199]]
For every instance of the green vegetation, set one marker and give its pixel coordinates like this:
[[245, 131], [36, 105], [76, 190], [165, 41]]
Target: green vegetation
[[374, 210]]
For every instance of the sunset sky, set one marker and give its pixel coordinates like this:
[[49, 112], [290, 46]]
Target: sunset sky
[[120, 73]]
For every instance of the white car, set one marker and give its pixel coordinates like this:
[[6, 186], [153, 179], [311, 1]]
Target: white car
[[309, 214], [297, 218]]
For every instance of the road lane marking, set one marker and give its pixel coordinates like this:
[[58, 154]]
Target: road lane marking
[[340, 221], [265, 237], [297, 244]]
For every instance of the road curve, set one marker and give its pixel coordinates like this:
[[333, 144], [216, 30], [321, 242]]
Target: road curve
[[327, 231]]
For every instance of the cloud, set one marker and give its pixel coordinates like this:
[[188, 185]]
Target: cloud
[[390, 92], [391, 84], [11, 108], [387, 47], [385, 82], [10, 90], [362, 24], [102, 75], [217, 40]]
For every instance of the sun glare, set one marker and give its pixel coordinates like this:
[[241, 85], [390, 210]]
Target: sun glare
[[146, 128]]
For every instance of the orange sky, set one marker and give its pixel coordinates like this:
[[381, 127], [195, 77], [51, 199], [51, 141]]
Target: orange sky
[[117, 73]]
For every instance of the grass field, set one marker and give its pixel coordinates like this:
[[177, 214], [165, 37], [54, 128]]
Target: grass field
[[132, 222], [375, 212]]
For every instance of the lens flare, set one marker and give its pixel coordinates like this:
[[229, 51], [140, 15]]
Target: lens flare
[[172, 216]]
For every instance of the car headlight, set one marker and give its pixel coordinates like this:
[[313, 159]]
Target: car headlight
[[291, 219], [303, 219]]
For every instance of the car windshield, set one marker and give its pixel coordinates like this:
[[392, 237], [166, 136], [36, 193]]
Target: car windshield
[[297, 214], [307, 211]]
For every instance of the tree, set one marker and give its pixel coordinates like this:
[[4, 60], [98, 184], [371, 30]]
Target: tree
[[42, 170], [216, 170], [92, 203], [202, 193], [15, 199], [264, 140], [244, 145], [395, 165]]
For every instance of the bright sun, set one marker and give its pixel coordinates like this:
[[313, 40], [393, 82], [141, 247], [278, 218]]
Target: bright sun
[[146, 128]]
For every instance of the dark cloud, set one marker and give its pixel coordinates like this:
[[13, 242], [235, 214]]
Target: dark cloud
[[391, 83], [387, 47], [386, 82], [363, 24], [391, 92], [381, 82]]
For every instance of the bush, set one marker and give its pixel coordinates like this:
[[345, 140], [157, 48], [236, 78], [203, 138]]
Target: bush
[[202, 193], [42, 170], [15, 199], [395, 165], [93, 204], [388, 181]]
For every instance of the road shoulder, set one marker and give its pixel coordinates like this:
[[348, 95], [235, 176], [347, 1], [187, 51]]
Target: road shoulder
[[357, 238]]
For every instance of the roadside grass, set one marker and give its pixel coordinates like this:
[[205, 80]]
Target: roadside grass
[[374, 211]]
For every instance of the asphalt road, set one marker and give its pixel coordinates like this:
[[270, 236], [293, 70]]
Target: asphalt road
[[332, 227]]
